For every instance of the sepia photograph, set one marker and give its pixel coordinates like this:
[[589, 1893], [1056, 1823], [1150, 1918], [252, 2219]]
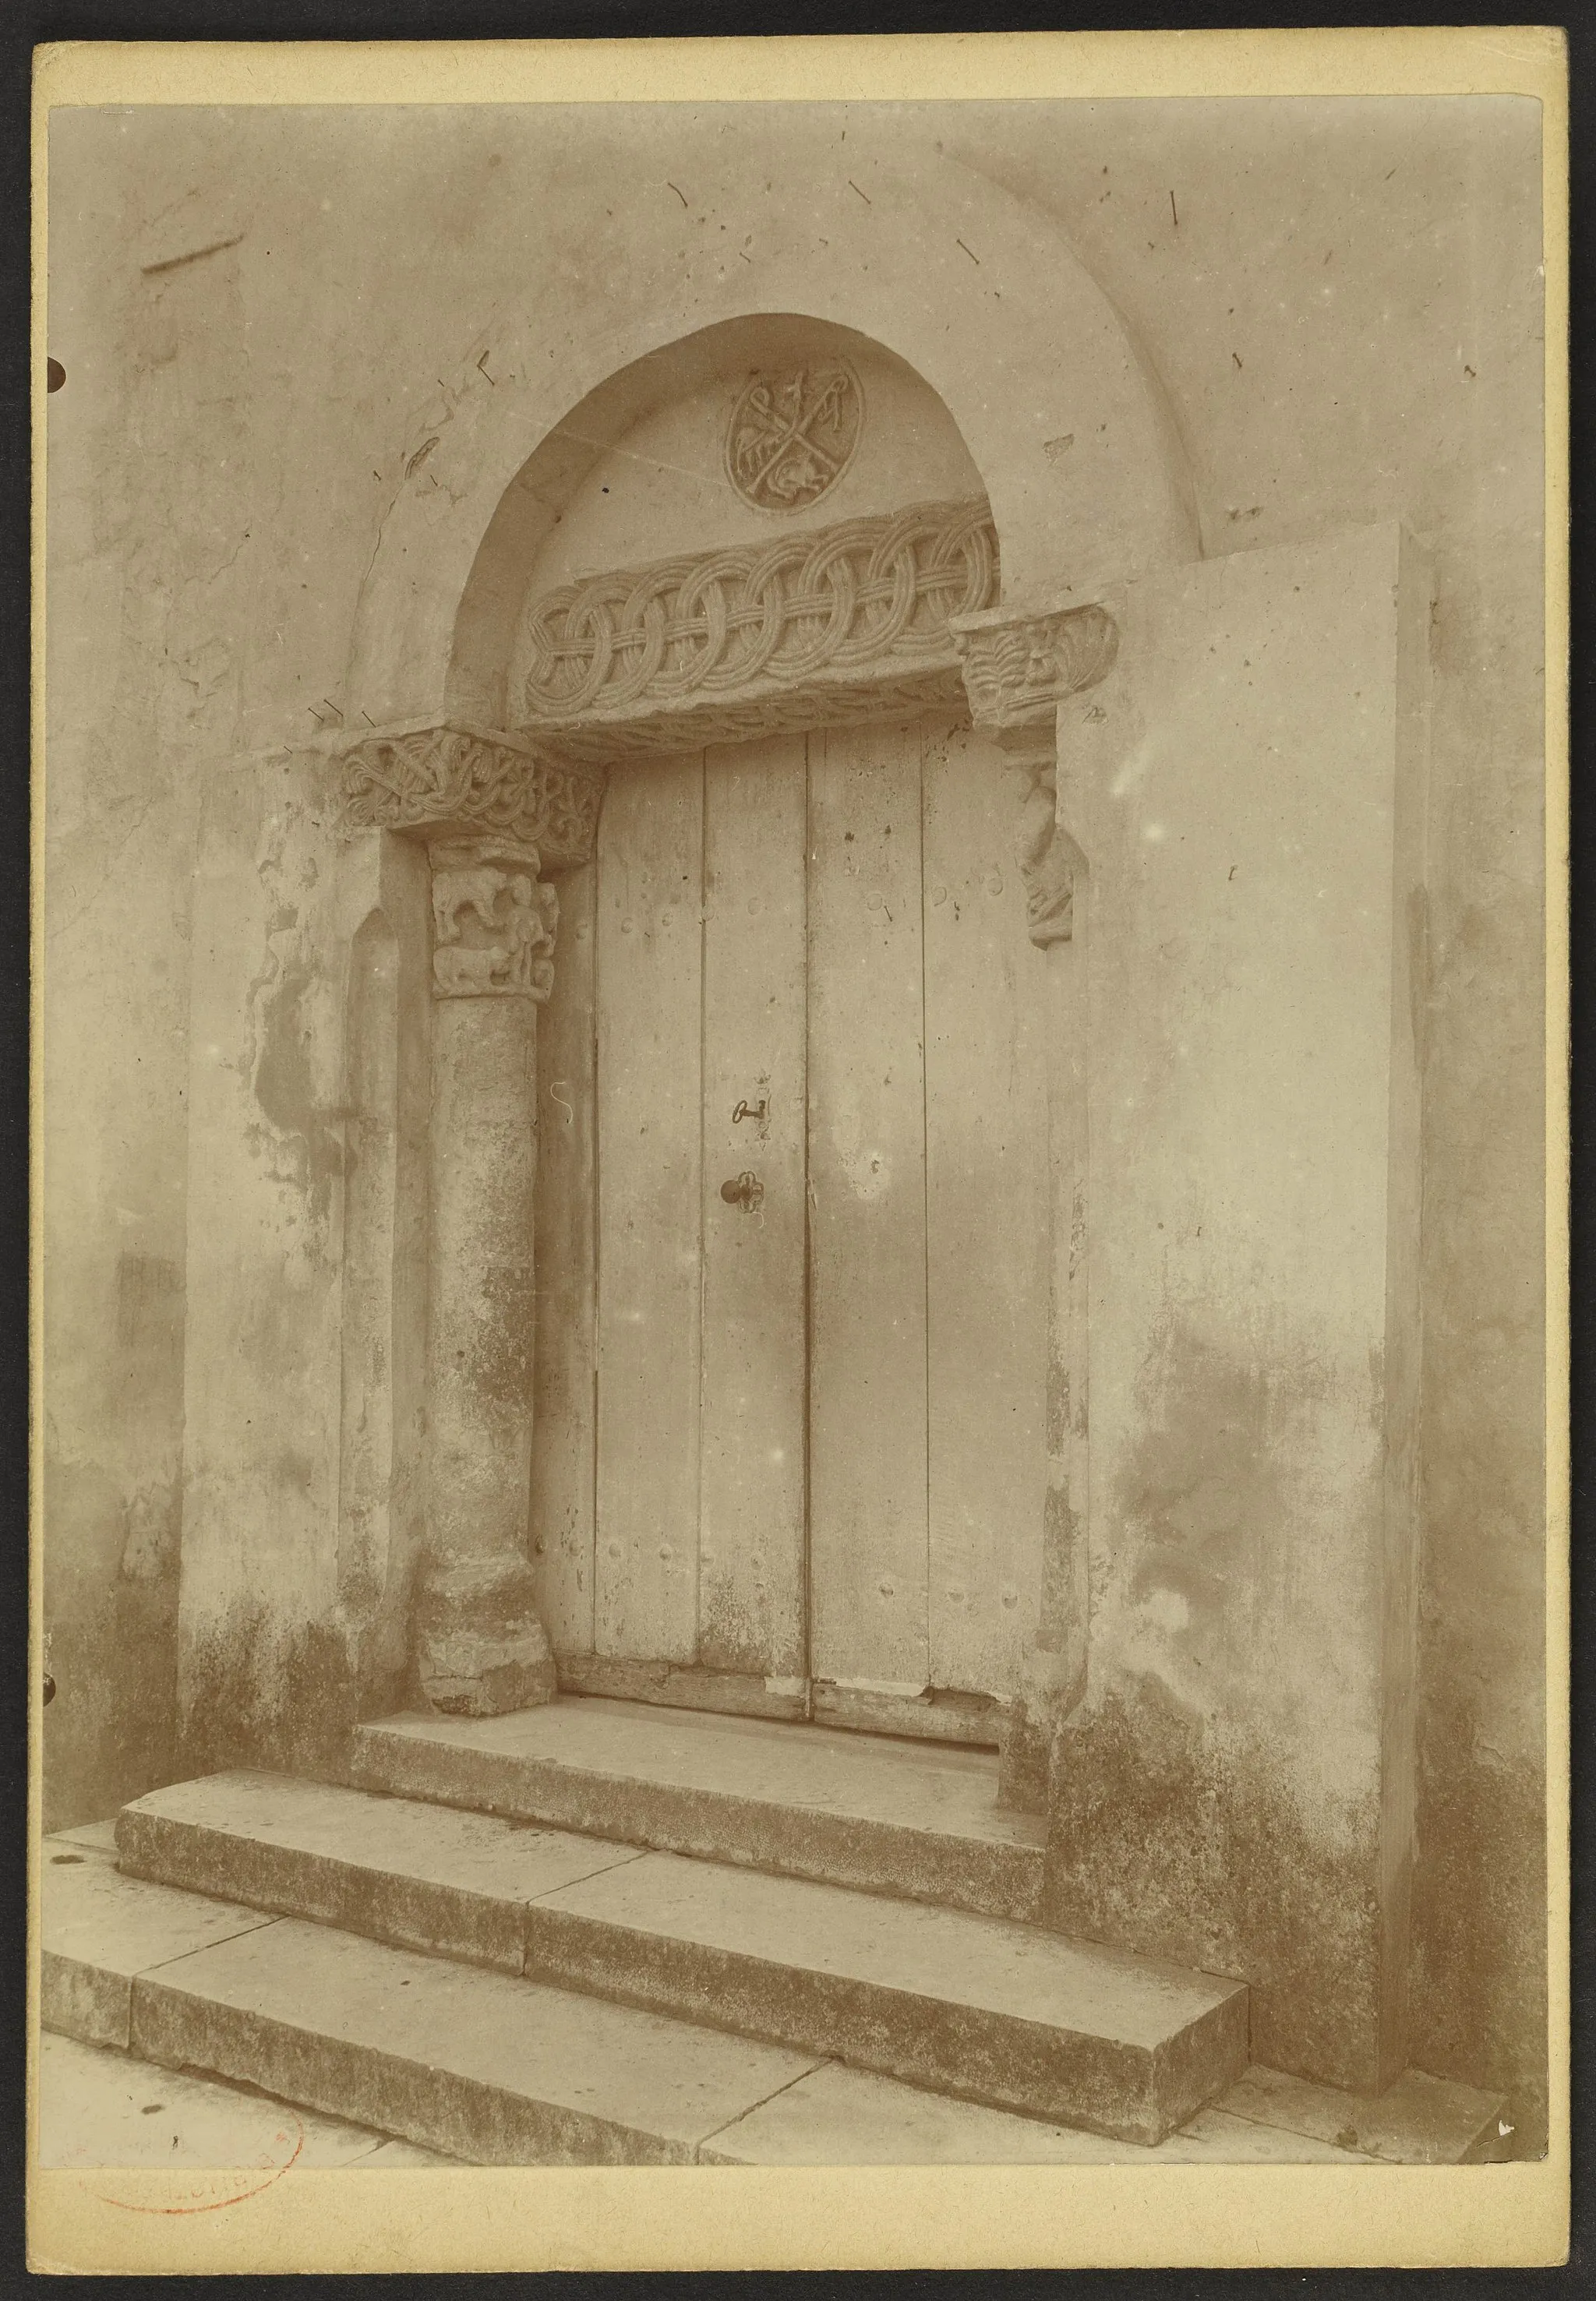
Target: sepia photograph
[[796, 1303]]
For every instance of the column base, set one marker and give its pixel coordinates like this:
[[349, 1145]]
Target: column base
[[498, 1687], [481, 1649]]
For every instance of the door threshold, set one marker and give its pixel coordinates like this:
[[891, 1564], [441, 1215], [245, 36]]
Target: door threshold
[[680, 1686], [970, 1720]]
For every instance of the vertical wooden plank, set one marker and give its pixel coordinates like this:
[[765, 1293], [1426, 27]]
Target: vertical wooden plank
[[751, 1527], [987, 1219], [649, 982], [563, 1400], [867, 1435]]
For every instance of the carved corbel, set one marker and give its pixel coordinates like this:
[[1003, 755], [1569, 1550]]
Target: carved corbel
[[454, 779], [1018, 670]]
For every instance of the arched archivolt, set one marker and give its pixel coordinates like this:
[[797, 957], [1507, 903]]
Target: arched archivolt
[[973, 290]]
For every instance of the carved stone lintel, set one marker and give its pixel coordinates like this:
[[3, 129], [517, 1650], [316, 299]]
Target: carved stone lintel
[[493, 921], [805, 629], [455, 777], [1018, 670]]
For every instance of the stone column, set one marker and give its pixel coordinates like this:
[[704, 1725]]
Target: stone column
[[1017, 671], [480, 1645], [494, 813]]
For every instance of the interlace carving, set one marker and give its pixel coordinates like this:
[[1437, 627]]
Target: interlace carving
[[493, 921], [792, 436], [1017, 668], [866, 601], [471, 778]]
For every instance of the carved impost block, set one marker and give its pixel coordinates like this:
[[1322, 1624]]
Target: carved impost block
[[1018, 669], [493, 920], [455, 777]]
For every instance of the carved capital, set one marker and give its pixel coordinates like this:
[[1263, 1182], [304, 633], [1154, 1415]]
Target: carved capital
[[493, 920], [455, 777], [1019, 668]]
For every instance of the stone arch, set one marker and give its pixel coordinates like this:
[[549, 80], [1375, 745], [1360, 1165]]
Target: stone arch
[[974, 291]]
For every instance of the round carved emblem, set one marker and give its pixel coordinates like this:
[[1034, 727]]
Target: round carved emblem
[[792, 435]]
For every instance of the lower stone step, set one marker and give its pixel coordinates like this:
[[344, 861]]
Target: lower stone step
[[980, 2008], [481, 2066], [476, 2065], [977, 2007]]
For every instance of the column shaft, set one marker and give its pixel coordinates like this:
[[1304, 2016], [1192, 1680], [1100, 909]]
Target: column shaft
[[481, 1648]]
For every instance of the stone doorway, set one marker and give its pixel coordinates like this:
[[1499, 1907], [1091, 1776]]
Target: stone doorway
[[844, 1490]]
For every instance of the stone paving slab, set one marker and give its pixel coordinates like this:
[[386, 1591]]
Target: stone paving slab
[[425, 1877], [93, 1836], [98, 2106], [912, 1818], [1419, 2120], [101, 1930], [459, 2058], [838, 2116], [998, 2012], [398, 2156]]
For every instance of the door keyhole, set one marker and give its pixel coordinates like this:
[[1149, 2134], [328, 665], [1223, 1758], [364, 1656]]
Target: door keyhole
[[746, 1192]]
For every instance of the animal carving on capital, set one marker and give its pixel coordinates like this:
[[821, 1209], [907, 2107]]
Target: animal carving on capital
[[493, 922]]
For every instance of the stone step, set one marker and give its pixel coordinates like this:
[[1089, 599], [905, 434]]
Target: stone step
[[912, 1818], [471, 2063], [980, 2008], [332, 2022]]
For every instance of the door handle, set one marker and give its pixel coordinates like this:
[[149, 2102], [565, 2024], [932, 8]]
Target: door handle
[[746, 1192]]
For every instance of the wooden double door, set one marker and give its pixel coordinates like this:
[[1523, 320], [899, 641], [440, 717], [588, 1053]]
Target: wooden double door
[[793, 1224]]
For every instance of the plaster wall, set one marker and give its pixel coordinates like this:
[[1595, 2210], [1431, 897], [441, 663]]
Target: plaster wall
[[298, 1557], [1340, 307], [1247, 786]]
